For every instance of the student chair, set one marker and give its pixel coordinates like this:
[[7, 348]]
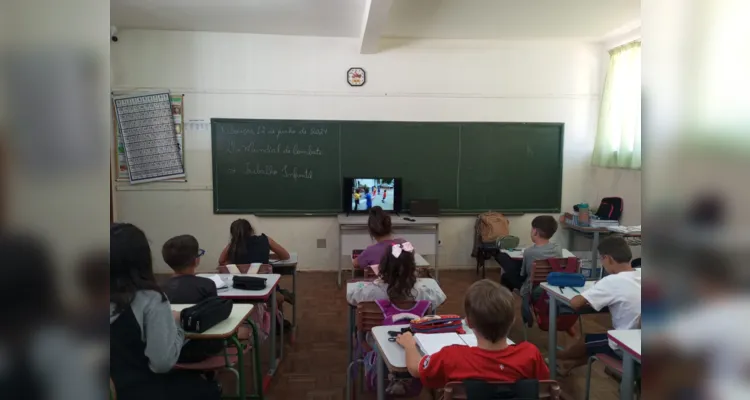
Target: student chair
[[368, 316], [613, 365], [525, 389], [484, 252], [228, 360], [243, 268], [539, 272]]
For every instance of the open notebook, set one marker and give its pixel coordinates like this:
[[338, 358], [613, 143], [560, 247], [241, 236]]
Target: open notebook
[[220, 283], [431, 343]]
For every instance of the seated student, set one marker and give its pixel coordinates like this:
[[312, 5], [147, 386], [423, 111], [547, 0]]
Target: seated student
[[182, 254], [620, 290], [516, 273], [490, 313], [245, 247], [145, 339], [379, 226], [397, 280]]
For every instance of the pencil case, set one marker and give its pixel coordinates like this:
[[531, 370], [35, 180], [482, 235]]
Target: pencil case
[[244, 282], [437, 324], [566, 279]]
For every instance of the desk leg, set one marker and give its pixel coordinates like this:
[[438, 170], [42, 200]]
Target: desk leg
[[437, 250], [294, 305], [240, 367], [272, 345], [552, 345], [257, 375], [628, 377], [351, 333], [381, 376], [339, 255], [595, 255]]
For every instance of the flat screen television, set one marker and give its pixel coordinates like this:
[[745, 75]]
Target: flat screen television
[[361, 194]]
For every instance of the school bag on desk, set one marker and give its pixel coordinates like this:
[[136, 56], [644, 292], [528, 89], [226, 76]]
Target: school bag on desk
[[206, 314], [405, 386], [610, 208]]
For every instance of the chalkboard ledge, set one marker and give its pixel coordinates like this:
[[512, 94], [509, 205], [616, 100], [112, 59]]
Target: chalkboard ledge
[[333, 213]]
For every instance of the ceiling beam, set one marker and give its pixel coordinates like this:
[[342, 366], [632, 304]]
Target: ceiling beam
[[373, 24]]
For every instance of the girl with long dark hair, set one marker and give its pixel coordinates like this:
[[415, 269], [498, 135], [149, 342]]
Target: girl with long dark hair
[[145, 337]]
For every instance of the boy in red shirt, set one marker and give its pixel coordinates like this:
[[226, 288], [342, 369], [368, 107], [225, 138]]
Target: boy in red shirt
[[490, 314]]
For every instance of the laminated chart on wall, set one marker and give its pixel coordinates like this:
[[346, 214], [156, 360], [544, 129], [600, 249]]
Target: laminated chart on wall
[[147, 136], [178, 113]]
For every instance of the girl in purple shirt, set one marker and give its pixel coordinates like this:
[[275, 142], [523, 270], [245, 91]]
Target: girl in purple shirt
[[379, 226]]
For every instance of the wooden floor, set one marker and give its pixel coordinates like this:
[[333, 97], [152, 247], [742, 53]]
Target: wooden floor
[[314, 367]]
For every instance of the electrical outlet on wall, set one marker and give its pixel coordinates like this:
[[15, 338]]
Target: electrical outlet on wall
[[321, 243]]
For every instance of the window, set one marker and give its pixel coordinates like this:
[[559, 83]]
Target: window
[[618, 136]]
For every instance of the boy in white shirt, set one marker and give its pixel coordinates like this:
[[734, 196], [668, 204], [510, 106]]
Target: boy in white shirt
[[620, 290]]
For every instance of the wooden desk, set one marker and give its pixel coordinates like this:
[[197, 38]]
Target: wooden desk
[[629, 341], [227, 330], [423, 233]]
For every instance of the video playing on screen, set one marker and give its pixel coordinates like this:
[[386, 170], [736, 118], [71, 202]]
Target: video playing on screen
[[367, 193]]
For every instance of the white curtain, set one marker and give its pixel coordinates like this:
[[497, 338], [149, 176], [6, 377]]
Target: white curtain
[[618, 137]]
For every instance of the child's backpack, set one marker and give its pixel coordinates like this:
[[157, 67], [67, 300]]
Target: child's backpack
[[610, 208], [395, 385], [492, 226], [540, 299]]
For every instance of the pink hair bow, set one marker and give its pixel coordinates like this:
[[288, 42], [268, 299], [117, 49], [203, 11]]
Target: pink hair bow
[[397, 248]]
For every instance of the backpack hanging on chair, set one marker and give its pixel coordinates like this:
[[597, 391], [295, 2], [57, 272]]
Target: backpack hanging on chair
[[540, 299], [395, 386]]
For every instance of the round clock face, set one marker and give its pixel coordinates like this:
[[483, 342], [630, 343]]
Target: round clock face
[[355, 76]]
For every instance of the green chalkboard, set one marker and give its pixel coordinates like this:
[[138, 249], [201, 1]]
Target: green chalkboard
[[296, 167]]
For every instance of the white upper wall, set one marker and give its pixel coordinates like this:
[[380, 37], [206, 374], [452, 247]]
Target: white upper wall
[[442, 19], [288, 77]]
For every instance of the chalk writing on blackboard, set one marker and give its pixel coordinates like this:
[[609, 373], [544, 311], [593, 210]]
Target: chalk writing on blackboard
[[294, 149], [269, 170]]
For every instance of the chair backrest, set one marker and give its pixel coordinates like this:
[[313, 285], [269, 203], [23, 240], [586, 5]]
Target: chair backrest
[[243, 268], [488, 390], [541, 268]]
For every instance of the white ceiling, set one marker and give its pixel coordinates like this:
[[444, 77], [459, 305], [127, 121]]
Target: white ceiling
[[445, 19]]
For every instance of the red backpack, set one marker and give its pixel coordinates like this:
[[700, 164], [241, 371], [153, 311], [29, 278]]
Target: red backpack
[[540, 305]]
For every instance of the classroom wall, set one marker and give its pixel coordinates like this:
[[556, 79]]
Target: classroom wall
[[287, 77]]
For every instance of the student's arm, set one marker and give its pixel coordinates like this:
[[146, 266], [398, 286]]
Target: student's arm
[[599, 296], [276, 248], [578, 302], [413, 357], [163, 337], [223, 257]]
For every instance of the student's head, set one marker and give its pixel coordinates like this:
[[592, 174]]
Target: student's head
[[379, 223], [614, 252], [130, 266], [489, 310], [182, 253], [399, 271], [240, 232], [542, 228]]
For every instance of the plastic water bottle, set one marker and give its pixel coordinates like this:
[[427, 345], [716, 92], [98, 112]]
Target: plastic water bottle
[[583, 214]]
